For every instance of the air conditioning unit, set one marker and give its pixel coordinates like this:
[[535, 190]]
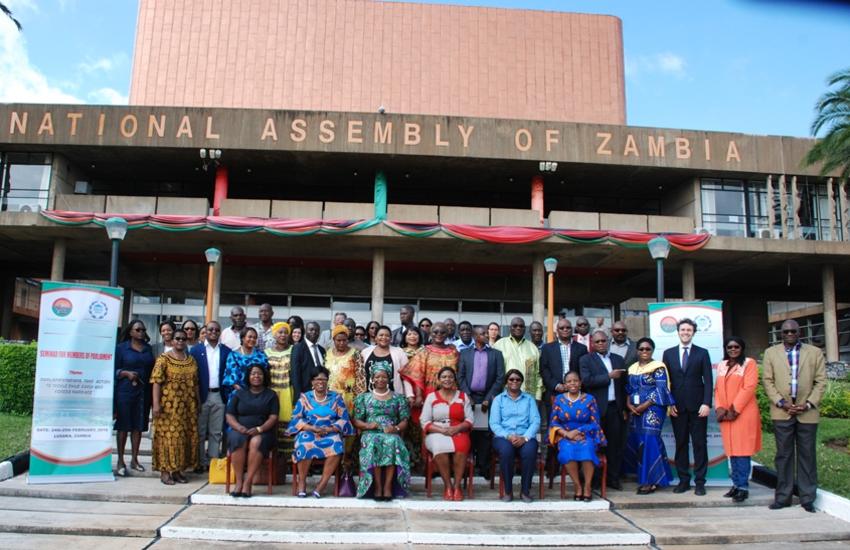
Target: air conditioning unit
[[82, 188], [765, 233], [700, 230]]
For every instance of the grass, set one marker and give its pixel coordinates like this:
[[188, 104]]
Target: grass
[[14, 434], [833, 464]]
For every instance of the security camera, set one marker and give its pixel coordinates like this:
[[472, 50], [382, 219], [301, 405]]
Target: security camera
[[381, 110]]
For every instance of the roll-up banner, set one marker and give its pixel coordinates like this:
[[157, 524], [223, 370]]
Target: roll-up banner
[[74, 377], [708, 316]]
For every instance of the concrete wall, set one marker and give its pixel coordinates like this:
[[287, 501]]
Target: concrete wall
[[245, 207], [63, 176], [670, 224], [574, 220], [183, 206], [116, 204], [623, 222], [349, 211], [515, 216], [683, 200], [413, 213], [80, 203], [463, 215], [297, 209]]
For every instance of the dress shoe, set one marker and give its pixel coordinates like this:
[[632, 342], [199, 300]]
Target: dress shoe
[[448, 494], [741, 495], [527, 498], [808, 507], [777, 506], [699, 490], [731, 492], [507, 498], [457, 495], [615, 484], [681, 488]]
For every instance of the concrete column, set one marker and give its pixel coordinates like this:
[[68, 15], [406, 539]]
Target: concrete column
[[216, 295], [783, 206], [537, 196], [538, 290], [378, 260], [830, 319], [57, 267], [220, 192], [689, 287]]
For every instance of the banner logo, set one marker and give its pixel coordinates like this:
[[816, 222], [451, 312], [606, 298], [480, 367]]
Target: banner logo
[[62, 307], [98, 310], [668, 324]]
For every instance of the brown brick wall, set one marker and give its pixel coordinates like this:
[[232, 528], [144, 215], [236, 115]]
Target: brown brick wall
[[355, 55]]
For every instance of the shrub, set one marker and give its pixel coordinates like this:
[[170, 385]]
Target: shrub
[[17, 377], [835, 402], [764, 406]]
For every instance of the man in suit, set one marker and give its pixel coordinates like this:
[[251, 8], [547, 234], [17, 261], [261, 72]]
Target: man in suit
[[405, 317], [622, 345], [582, 335], [603, 375], [794, 380], [307, 356], [481, 375], [689, 367], [557, 359], [211, 358]]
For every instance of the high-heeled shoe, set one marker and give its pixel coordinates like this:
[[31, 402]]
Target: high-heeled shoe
[[457, 496], [448, 494], [731, 492]]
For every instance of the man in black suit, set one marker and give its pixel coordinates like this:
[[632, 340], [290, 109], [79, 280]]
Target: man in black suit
[[622, 345], [211, 359], [557, 359], [603, 376], [405, 316], [307, 356], [481, 375], [689, 367]]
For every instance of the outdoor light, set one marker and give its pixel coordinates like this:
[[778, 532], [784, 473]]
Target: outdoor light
[[550, 265], [546, 166], [212, 255], [659, 248], [210, 156], [203, 153], [116, 229]]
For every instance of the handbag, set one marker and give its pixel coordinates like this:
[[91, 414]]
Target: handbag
[[346, 485], [218, 469]]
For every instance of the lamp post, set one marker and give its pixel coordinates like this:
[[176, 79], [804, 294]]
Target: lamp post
[[116, 228], [550, 265], [659, 248], [213, 255]]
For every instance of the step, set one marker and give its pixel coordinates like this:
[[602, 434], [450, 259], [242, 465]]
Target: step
[[180, 544], [27, 541], [402, 526], [130, 489], [722, 525], [665, 498]]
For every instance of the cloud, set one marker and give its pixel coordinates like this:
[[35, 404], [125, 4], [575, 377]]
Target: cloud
[[104, 64], [21, 81], [665, 63], [107, 96]]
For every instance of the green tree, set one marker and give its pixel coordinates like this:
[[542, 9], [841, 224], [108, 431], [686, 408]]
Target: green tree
[[833, 116], [8, 13]]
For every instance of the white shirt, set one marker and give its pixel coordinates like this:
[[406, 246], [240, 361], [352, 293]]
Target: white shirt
[[311, 346], [606, 360], [584, 340], [212, 364], [230, 338]]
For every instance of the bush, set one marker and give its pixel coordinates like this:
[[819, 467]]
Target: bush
[[17, 377], [764, 406], [835, 402]]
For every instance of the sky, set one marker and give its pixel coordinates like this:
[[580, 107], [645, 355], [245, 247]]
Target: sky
[[751, 66]]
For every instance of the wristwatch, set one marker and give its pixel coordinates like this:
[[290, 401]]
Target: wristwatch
[[259, 429]]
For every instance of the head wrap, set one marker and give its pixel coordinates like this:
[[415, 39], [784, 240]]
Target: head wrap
[[382, 366], [279, 325], [339, 329]]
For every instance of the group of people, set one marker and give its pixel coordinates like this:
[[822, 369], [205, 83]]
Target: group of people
[[385, 400]]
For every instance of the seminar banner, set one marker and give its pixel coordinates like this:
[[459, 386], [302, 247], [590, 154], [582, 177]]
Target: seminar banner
[[74, 373], [708, 316]]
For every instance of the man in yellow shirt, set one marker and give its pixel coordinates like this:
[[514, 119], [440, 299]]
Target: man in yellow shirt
[[522, 355]]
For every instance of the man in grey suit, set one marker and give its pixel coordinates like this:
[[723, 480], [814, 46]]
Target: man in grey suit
[[481, 375], [622, 345]]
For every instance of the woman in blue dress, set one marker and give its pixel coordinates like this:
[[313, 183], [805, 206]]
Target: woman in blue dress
[[133, 365], [648, 388], [574, 430], [319, 422], [239, 360]]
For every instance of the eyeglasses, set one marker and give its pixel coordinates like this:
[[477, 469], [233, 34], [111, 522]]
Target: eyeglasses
[[644, 349], [582, 324], [790, 331], [518, 325], [138, 329], [213, 329], [618, 330], [190, 328], [733, 346], [438, 331], [514, 379], [180, 339]]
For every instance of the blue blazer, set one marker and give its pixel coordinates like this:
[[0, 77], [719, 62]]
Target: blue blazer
[[595, 380], [551, 365], [691, 387], [199, 352]]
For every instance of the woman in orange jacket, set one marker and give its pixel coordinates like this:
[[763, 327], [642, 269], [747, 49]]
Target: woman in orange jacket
[[738, 413]]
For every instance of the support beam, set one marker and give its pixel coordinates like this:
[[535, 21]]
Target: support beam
[[830, 319], [57, 267], [378, 264], [216, 295], [538, 290], [537, 196], [689, 286], [220, 192]]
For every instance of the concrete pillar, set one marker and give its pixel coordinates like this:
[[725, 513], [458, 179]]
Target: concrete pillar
[[216, 295], [830, 319], [57, 267], [378, 259], [689, 286], [538, 290], [537, 196], [220, 192], [746, 317]]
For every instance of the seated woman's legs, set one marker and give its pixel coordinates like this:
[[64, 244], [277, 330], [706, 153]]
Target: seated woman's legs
[[507, 454], [331, 464], [587, 469], [303, 472], [389, 475], [572, 470], [459, 467], [442, 461], [377, 481], [237, 462], [528, 458], [255, 460]]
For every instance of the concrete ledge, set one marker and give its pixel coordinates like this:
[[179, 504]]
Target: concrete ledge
[[80, 203], [670, 224], [6, 470], [247, 208], [413, 213], [515, 216], [463, 215], [120, 204], [622, 222], [297, 209], [185, 206], [584, 221], [349, 211]]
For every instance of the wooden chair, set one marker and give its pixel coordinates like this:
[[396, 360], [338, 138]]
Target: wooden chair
[[603, 464], [429, 470], [494, 467], [317, 462], [271, 465]]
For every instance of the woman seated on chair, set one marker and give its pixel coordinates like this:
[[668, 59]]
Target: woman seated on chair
[[252, 419], [574, 430], [319, 422], [382, 416], [446, 420]]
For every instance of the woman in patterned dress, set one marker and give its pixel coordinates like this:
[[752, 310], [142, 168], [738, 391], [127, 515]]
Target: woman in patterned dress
[[648, 389], [319, 421], [346, 368], [279, 355], [175, 412], [446, 421], [574, 430], [382, 415], [422, 369], [239, 360]]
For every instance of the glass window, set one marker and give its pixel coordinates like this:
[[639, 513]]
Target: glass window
[[24, 182], [734, 208]]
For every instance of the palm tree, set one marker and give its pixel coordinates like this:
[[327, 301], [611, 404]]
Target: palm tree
[[833, 115], [8, 13]]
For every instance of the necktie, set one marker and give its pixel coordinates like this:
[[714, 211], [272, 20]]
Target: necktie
[[685, 359], [316, 357]]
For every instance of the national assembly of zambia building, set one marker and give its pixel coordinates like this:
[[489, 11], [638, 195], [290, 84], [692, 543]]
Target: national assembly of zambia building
[[358, 155]]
